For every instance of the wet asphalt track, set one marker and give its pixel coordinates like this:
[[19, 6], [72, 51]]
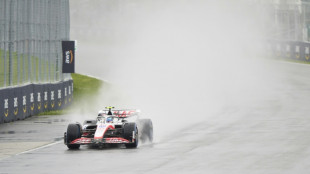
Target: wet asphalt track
[[267, 136]]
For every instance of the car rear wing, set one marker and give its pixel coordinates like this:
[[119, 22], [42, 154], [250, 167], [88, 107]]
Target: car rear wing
[[122, 113]]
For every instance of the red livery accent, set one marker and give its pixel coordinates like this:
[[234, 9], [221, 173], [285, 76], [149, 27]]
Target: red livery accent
[[81, 141], [122, 113], [85, 134], [116, 140], [105, 140]]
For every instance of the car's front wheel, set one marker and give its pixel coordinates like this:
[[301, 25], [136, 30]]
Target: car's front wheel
[[73, 133]]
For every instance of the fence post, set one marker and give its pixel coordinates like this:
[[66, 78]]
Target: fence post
[[11, 43], [39, 55], [1, 35], [29, 5], [24, 32], [18, 44], [4, 36], [48, 36]]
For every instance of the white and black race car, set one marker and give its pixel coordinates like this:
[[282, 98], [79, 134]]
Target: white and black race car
[[110, 127]]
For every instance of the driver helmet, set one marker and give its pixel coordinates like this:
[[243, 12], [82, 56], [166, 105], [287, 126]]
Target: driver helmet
[[109, 119]]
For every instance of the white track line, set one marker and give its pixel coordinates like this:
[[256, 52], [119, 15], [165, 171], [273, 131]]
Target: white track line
[[38, 148]]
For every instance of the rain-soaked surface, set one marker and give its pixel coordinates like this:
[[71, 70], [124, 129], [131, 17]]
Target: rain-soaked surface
[[267, 135]]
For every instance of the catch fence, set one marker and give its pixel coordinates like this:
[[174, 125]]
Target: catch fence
[[31, 32], [31, 77]]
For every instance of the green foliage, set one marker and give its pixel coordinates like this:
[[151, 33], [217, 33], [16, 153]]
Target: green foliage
[[20, 66], [83, 87], [57, 112], [298, 61]]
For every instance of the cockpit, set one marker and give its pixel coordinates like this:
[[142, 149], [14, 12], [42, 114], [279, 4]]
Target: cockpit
[[107, 119]]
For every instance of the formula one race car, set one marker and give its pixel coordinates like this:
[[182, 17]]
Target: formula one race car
[[111, 127]]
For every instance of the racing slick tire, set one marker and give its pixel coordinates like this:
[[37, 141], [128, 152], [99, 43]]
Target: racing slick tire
[[130, 130], [73, 132], [146, 130]]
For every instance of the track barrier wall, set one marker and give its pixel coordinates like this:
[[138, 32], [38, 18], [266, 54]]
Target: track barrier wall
[[21, 102], [292, 50]]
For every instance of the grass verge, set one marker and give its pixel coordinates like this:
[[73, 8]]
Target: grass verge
[[297, 61], [83, 86]]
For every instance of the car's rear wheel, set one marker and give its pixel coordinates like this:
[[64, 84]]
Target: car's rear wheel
[[131, 134], [73, 133]]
